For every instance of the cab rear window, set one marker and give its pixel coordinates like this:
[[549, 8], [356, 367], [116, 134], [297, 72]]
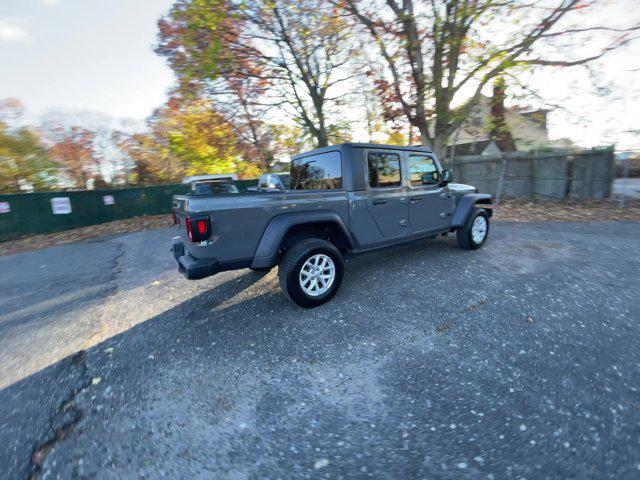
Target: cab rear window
[[317, 172]]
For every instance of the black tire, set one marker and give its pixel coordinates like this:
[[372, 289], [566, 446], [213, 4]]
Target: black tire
[[465, 237], [292, 263]]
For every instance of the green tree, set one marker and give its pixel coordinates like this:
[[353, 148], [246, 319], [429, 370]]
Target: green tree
[[25, 164], [186, 137]]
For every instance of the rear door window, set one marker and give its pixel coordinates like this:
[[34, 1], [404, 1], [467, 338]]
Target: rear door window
[[384, 169]]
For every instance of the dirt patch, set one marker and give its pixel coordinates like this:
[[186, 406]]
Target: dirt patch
[[585, 211], [129, 225]]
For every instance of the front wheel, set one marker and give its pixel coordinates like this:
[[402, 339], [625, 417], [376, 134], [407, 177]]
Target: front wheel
[[474, 232], [311, 272]]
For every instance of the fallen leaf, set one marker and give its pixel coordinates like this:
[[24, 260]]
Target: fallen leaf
[[529, 319], [96, 380], [108, 350]]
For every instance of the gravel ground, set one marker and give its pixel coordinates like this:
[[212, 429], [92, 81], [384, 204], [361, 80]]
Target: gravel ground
[[519, 360]]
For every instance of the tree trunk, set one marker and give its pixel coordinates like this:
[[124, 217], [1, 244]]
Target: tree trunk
[[322, 134], [423, 128], [323, 141], [439, 146]]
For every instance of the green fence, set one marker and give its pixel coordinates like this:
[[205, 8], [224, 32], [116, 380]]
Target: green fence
[[31, 213]]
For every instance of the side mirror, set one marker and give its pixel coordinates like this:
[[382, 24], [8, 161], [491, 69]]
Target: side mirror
[[447, 176]]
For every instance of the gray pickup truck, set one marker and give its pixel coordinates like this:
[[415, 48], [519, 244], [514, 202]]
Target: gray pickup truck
[[343, 199]]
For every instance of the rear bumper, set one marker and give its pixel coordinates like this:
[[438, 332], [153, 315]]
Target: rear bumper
[[193, 268]]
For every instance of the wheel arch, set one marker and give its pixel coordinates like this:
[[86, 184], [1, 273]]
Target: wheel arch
[[284, 228], [466, 204]]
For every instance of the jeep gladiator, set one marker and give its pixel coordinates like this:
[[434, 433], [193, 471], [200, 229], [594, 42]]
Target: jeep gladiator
[[343, 199]]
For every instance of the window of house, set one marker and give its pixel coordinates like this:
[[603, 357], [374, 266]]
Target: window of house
[[384, 169]]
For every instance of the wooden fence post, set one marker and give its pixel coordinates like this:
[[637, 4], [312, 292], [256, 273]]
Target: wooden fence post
[[503, 172]]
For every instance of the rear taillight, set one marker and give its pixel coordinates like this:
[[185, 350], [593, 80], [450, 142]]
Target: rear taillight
[[198, 228]]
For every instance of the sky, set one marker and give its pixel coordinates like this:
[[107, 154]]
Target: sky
[[74, 55], [96, 57]]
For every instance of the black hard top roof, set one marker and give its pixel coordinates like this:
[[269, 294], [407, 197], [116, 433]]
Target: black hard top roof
[[347, 145]]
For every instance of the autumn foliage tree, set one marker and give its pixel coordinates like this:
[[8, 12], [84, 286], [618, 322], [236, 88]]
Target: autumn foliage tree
[[73, 150], [441, 52], [254, 57], [185, 137], [148, 161], [200, 42], [25, 163]]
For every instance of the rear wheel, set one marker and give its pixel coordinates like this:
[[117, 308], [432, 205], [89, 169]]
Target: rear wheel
[[474, 232], [311, 272]]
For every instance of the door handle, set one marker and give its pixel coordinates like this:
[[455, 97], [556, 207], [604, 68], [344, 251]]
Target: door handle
[[417, 198], [379, 202]]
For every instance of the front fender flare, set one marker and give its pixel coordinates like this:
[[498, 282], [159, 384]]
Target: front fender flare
[[466, 205], [266, 253]]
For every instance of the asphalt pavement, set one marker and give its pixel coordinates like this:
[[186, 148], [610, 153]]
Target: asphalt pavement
[[519, 360]]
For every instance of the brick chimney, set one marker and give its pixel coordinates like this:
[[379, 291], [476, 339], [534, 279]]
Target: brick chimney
[[499, 130]]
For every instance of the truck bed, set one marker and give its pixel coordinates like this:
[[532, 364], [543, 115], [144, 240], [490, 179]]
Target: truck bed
[[239, 220]]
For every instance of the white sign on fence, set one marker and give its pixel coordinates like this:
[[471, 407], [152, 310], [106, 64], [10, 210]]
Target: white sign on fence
[[108, 199], [61, 205], [5, 207]]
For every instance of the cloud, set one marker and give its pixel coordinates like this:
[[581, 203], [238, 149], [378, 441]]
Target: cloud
[[50, 2], [13, 30]]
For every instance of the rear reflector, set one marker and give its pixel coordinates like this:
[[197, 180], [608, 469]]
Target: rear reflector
[[189, 231]]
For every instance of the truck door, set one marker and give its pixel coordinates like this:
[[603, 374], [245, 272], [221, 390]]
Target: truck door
[[430, 204], [387, 200]]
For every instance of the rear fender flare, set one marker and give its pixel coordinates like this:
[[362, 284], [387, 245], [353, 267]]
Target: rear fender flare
[[266, 254], [466, 204]]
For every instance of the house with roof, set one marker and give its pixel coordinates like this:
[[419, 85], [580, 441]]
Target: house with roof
[[491, 128]]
